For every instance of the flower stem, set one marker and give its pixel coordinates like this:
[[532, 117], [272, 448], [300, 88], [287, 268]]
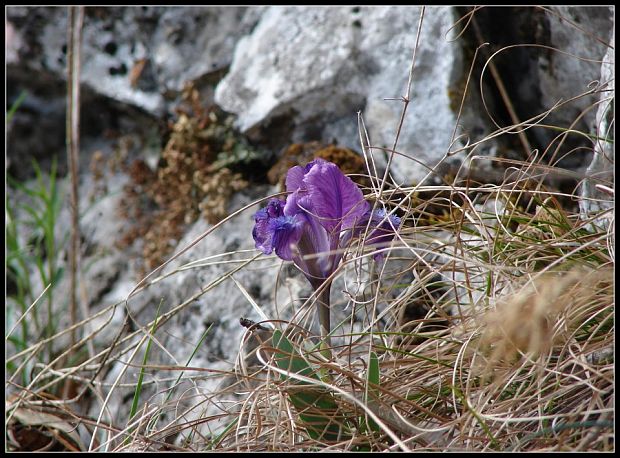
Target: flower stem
[[323, 312]]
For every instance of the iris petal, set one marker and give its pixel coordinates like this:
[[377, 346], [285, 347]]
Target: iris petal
[[296, 186], [295, 178], [385, 232], [286, 231], [336, 199], [292, 207], [275, 208], [316, 240], [380, 233], [263, 231]]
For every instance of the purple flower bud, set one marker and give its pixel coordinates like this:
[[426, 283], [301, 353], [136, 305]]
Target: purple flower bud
[[381, 230]]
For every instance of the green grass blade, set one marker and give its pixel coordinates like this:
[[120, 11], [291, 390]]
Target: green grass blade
[[154, 421], [495, 444], [214, 443], [373, 376], [20, 99], [136, 396], [189, 360]]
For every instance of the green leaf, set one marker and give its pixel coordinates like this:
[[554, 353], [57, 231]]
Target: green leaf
[[290, 360], [316, 406], [373, 376]]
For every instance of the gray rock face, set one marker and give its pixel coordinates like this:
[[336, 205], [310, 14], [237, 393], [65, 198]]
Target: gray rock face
[[322, 65], [132, 57], [312, 69], [579, 34], [170, 45], [316, 67], [578, 64], [601, 170]]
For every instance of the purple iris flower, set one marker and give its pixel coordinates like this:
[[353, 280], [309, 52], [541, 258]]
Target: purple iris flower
[[323, 212]]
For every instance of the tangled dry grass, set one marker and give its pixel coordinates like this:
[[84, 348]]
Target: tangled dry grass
[[523, 359], [530, 367], [491, 327]]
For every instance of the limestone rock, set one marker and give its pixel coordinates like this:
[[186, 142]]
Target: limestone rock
[[579, 35], [601, 169], [134, 55], [320, 66]]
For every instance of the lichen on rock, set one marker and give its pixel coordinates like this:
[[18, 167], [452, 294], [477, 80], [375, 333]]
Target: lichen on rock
[[188, 180]]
